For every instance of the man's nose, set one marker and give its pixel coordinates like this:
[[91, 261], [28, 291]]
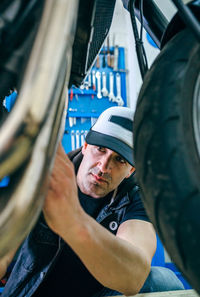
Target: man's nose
[[105, 164]]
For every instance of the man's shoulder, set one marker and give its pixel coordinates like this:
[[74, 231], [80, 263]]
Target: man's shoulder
[[74, 153], [129, 186], [134, 189]]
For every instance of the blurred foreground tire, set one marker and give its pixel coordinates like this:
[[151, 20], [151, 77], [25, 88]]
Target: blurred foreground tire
[[167, 150]]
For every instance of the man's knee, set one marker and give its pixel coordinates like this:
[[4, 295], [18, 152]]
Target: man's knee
[[161, 279]]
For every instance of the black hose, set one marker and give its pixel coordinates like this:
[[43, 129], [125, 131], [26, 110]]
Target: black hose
[[140, 51]]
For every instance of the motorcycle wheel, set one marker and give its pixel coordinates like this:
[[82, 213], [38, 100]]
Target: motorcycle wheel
[[167, 151]]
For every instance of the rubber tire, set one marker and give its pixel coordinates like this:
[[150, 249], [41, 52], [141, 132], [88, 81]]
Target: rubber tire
[[166, 155]]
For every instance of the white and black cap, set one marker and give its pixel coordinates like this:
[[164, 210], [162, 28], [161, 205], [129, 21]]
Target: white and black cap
[[114, 130]]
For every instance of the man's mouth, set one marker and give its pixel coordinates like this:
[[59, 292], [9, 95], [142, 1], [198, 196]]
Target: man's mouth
[[99, 178]]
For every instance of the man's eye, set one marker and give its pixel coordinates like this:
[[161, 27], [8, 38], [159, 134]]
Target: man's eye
[[101, 149], [120, 159]]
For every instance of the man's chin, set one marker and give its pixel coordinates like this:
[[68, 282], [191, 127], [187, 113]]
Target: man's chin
[[98, 191]]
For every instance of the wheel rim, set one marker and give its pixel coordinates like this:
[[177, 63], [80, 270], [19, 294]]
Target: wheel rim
[[196, 114]]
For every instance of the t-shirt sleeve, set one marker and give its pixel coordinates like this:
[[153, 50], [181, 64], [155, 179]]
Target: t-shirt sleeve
[[135, 210]]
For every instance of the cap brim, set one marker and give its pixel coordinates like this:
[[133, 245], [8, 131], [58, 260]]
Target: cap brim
[[99, 139]]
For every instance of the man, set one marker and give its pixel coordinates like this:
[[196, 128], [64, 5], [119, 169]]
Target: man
[[93, 236]]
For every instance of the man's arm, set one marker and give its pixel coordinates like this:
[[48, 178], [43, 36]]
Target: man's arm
[[141, 235], [119, 262]]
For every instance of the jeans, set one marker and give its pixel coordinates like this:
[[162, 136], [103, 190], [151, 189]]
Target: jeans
[[160, 279]]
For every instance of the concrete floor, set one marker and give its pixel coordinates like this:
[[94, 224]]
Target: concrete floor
[[182, 293]]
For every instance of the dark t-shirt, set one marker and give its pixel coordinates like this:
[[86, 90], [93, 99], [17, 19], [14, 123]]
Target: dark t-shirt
[[69, 277]]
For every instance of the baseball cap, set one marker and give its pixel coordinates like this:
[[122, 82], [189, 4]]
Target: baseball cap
[[114, 130]]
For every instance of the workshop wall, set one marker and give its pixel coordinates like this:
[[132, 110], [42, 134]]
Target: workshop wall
[[114, 80], [105, 86]]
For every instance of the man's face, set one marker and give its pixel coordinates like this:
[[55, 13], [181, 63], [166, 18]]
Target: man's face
[[101, 171]]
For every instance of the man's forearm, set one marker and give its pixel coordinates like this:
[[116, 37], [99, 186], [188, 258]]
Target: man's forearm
[[114, 262]]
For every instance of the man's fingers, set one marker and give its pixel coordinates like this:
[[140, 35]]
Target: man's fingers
[[60, 148], [62, 154]]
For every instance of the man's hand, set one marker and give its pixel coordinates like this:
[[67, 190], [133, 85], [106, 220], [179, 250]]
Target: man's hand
[[62, 207]]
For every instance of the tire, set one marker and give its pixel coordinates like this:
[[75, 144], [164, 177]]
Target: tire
[[167, 151]]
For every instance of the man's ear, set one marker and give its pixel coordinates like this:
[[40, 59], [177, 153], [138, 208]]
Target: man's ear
[[130, 172], [84, 148]]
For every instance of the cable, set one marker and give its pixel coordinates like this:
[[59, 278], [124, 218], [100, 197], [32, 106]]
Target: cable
[[141, 32], [141, 55], [141, 18]]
